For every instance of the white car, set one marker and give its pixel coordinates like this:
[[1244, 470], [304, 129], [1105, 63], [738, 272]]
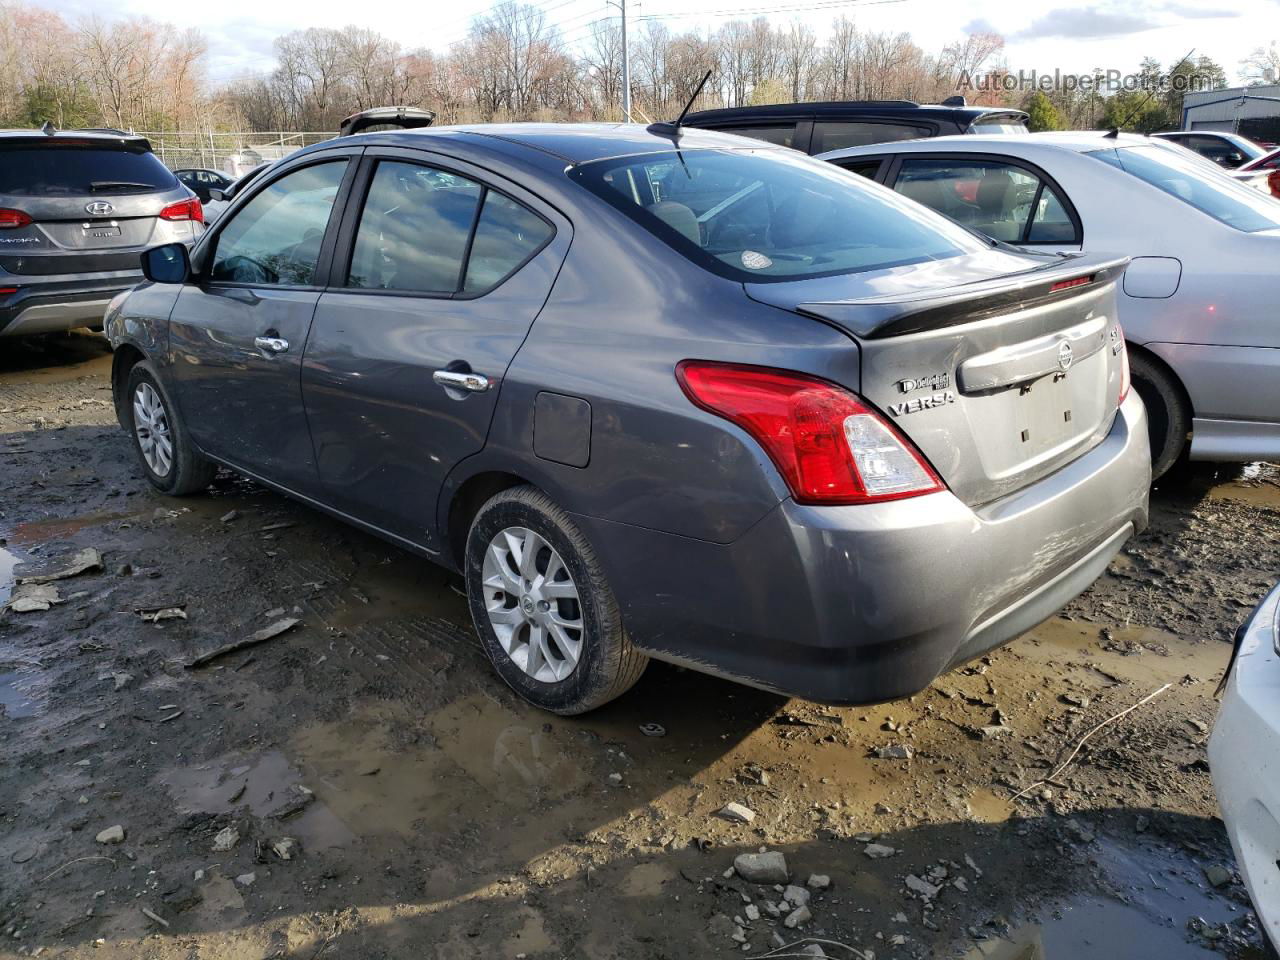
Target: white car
[[1244, 758], [1200, 302]]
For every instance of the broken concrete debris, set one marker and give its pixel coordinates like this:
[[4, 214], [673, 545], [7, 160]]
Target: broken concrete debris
[[895, 751], [225, 839], [796, 917], [113, 834], [736, 812], [88, 560], [818, 881], [33, 598], [770, 867], [261, 636], [878, 851]]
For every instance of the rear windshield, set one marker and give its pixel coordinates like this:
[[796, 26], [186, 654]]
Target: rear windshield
[[78, 171], [771, 214], [1222, 198]]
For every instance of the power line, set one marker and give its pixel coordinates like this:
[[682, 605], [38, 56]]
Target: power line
[[742, 11]]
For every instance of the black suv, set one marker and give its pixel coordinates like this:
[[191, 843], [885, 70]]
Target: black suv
[[818, 127]]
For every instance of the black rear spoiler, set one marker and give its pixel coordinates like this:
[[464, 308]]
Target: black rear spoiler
[[874, 318], [405, 118]]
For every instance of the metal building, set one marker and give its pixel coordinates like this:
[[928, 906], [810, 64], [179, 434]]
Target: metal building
[[1252, 112]]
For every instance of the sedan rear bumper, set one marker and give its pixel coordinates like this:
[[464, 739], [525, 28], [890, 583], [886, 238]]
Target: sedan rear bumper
[[1244, 757], [866, 604]]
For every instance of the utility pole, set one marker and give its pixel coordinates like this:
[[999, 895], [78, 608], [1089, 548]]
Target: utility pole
[[626, 66]]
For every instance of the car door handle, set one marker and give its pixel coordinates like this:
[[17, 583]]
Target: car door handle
[[271, 344], [458, 380]]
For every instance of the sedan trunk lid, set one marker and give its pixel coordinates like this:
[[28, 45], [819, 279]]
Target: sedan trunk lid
[[998, 381]]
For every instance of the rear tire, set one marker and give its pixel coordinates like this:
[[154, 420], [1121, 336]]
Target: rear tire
[[172, 465], [545, 614], [1168, 419]]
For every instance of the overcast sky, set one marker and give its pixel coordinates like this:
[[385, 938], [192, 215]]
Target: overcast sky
[[1040, 36]]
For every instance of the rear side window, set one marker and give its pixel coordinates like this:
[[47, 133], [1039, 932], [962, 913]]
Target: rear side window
[[506, 236], [863, 168], [1002, 200], [413, 230], [274, 239], [769, 215], [1222, 198], [782, 135], [838, 134], [69, 170]]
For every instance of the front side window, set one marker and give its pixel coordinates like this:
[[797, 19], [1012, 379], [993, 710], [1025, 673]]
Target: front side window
[[838, 134], [769, 215], [1002, 200], [414, 229], [275, 238], [1222, 198]]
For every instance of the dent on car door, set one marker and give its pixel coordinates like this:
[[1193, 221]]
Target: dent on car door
[[1008, 201], [238, 331], [439, 274]]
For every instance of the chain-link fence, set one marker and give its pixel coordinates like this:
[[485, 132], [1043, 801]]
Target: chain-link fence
[[234, 152]]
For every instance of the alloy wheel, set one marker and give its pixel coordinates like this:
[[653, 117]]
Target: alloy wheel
[[151, 426], [533, 604]]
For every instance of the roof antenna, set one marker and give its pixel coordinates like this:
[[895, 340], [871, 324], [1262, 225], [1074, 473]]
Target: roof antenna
[[48, 129], [673, 129], [1114, 132]]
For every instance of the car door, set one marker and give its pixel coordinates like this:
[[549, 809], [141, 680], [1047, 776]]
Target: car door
[[1002, 197], [440, 270], [238, 331]]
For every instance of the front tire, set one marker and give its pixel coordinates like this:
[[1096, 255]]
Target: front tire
[[544, 612], [171, 463], [1168, 420]]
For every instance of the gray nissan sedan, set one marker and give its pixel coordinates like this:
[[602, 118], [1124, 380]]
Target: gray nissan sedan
[[655, 393]]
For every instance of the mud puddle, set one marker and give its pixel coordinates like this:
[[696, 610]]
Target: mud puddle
[[1145, 904], [8, 561], [1257, 484], [14, 701], [265, 786]]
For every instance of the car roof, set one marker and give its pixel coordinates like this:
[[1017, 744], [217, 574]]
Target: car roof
[[570, 143], [1076, 141], [850, 108]]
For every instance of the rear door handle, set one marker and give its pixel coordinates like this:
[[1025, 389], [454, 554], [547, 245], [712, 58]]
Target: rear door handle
[[271, 344], [458, 380]]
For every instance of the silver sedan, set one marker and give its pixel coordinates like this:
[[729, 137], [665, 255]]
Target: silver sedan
[[1200, 303]]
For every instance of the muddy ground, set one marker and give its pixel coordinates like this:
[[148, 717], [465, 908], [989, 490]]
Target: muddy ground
[[434, 815]]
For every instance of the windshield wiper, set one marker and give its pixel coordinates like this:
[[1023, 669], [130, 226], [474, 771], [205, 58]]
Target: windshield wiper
[[117, 184]]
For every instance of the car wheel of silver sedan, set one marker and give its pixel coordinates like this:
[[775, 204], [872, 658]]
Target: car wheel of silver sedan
[[169, 460], [540, 603]]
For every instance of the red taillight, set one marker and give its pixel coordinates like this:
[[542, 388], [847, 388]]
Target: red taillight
[[828, 446], [1068, 284], [1124, 363], [1273, 181], [13, 218], [189, 209], [5, 291]]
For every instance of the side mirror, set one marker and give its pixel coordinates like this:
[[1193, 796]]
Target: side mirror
[[170, 263], [216, 193]]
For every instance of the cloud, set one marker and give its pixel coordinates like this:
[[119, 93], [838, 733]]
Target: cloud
[[983, 25], [1087, 23], [1188, 12]]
